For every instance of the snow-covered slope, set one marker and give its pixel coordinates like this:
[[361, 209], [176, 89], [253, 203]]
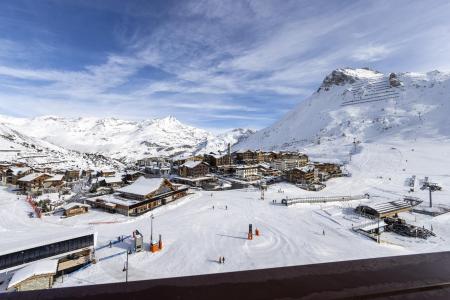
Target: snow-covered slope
[[126, 140], [364, 105], [18, 147]]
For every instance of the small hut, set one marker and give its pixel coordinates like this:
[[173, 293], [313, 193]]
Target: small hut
[[73, 209], [35, 276]]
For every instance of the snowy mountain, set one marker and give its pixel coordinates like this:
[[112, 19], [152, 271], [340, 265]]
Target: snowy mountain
[[122, 139], [362, 105], [16, 146]]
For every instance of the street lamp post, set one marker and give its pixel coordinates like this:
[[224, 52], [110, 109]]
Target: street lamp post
[[151, 229], [126, 267]]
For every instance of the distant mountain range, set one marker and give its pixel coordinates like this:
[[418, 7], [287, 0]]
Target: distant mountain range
[[121, 139], [350, 105]]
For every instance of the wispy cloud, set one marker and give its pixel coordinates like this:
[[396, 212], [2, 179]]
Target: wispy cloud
[[371, 53], [210, 63]]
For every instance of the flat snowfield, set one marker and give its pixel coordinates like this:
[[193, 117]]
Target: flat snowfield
[[195, 234]]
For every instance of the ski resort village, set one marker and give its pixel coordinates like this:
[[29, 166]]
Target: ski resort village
[[360, 169]]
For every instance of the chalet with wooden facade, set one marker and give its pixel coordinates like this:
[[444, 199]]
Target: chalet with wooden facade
[[113, 182], [266, 170], [249, 156], [87, 173], [47, 170], [139, 197], [182, 158], [193, 169], [73, 209], [72, 175], [13, 174], [305, 174], [132, 175], [333, 170], [55, 181], [32, 182], [107, 173], [216, 160]]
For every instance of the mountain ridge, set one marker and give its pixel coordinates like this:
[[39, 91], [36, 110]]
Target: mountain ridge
[[363, 105], [125, 140]]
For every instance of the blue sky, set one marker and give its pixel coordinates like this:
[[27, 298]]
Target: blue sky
[[211, 64]]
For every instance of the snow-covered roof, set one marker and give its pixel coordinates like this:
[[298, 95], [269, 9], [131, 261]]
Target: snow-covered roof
[[390, 206], [74, 204], [142, 186], [217, 155], [31, 177], [56, 177], [243, 150], [246, 167], [133, 172], [191, 164], [18, 170], [306, 169], [40, 267], [264, 165], [113, 199], [115, 179], [29, 239], [195, 179], [181, 156]]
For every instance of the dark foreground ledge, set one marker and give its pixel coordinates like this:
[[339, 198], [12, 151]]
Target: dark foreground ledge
[[411, 276]]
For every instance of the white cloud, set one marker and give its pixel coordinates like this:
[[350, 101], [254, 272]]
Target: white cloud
[[371, 53]]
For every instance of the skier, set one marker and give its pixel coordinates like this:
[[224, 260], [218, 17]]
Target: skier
[[110, 244], [213, 207], [223, 259], [226, 207], [220, 259], [323, 231]]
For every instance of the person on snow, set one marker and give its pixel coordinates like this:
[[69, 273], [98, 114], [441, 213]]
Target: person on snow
[[223, 259], [323, 231]]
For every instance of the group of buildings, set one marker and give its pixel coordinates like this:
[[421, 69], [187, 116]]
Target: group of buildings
[[38, 180], [253, 165], [244, 165], [30, 179]]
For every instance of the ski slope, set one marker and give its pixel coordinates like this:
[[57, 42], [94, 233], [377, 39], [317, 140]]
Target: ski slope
[[359, 104]]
